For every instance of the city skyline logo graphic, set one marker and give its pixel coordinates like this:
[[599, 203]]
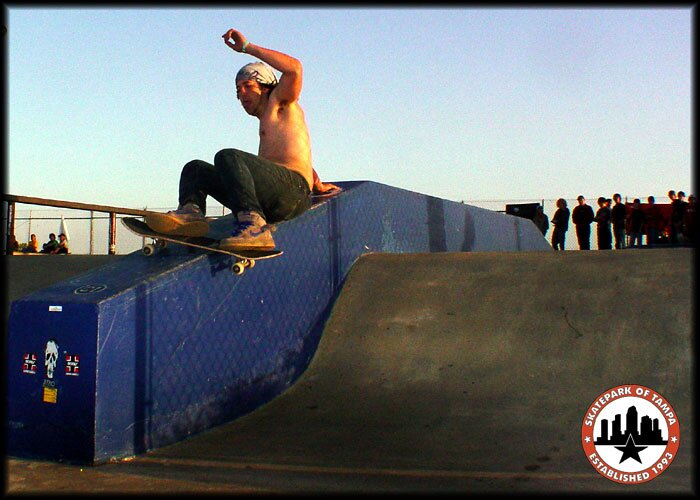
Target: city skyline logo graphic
[[630, 434]]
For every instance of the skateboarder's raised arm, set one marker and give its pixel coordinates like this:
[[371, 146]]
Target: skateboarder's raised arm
[[289, 87]]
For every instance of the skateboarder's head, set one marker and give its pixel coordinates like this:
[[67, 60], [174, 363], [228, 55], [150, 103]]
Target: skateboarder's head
[[253, 81], [258, 72]]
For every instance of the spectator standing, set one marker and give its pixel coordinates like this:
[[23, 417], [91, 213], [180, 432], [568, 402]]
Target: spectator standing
[[603, 218], [678, 206], [637, 219], [541, 220], [655, 222], [560, 220], [582, 217], [619, 219], [690, 232]]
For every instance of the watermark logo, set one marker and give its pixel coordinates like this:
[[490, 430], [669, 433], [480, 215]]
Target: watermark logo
[[630, 434]]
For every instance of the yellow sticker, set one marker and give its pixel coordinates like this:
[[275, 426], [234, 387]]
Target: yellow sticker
[[50, 395]]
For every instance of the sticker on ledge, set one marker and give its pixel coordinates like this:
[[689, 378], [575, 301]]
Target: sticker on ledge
[[55, 309], [51, 358], [50, 395], [29, 365], [72, 365], [90, 289]]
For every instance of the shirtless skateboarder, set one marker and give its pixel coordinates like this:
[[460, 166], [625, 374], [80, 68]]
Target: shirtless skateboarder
[[269, 187]]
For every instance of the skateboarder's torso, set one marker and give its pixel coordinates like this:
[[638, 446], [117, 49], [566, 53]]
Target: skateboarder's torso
[[284, 138]]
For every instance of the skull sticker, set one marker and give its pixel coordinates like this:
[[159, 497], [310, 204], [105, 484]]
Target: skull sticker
[[51, 357]]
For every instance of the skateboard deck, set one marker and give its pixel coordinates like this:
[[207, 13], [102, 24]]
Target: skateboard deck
[[244, 258]]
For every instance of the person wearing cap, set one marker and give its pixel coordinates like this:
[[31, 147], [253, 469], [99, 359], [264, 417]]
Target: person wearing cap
[[62, 247], [271, 186]]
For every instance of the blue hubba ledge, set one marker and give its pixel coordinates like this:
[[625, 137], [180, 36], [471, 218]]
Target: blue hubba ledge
[[154, 349]]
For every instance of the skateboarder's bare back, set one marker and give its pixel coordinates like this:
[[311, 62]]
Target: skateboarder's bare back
[[259, 189]]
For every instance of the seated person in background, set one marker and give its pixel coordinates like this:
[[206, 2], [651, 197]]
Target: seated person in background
[[12, 244], [33, 245], [62, 245], [50, 245]]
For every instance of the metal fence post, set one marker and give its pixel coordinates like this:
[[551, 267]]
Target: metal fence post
[[112, 233], [8, 215]]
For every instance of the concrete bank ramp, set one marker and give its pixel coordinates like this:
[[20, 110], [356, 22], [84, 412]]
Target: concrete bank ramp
[[471, 372], [145, 351]]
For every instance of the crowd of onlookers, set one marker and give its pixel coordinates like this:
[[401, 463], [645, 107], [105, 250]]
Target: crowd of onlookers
[[53, 246], [624, 225]]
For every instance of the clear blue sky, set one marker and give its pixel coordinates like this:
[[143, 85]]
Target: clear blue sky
[[107, 104]]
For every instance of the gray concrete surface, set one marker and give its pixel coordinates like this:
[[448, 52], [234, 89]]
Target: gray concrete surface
[[27, 273], [446, 372]]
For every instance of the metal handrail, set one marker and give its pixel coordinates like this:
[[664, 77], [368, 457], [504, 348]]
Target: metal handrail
[[9, 201]]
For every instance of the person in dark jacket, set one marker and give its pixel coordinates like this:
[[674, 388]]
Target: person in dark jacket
[[619, 218], [603, 217], [655, 222], [582, 217], [560, 220], [678, 207], [637, 220], [541, 220], [690, 232]]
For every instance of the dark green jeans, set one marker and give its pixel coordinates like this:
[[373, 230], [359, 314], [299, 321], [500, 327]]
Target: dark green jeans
[[242, 181]]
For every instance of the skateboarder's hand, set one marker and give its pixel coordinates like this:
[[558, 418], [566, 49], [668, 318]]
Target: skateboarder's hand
[[237, 37], [324, 187], [321, 187]]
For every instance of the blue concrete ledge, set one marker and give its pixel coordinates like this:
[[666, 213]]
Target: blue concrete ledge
[[154, 349]]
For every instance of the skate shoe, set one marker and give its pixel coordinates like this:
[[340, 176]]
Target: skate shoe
[[187, 220], [250, 233]]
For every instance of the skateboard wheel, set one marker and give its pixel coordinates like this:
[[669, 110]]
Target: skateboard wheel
[[148, 249], [238, 268], [161, 243], [251, 263]]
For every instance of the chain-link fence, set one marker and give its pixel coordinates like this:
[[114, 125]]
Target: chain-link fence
[[88, 231]]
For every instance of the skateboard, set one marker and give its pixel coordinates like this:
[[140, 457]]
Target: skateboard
[[245, 259]]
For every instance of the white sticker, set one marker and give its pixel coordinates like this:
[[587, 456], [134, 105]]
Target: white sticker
[[55, 309]]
